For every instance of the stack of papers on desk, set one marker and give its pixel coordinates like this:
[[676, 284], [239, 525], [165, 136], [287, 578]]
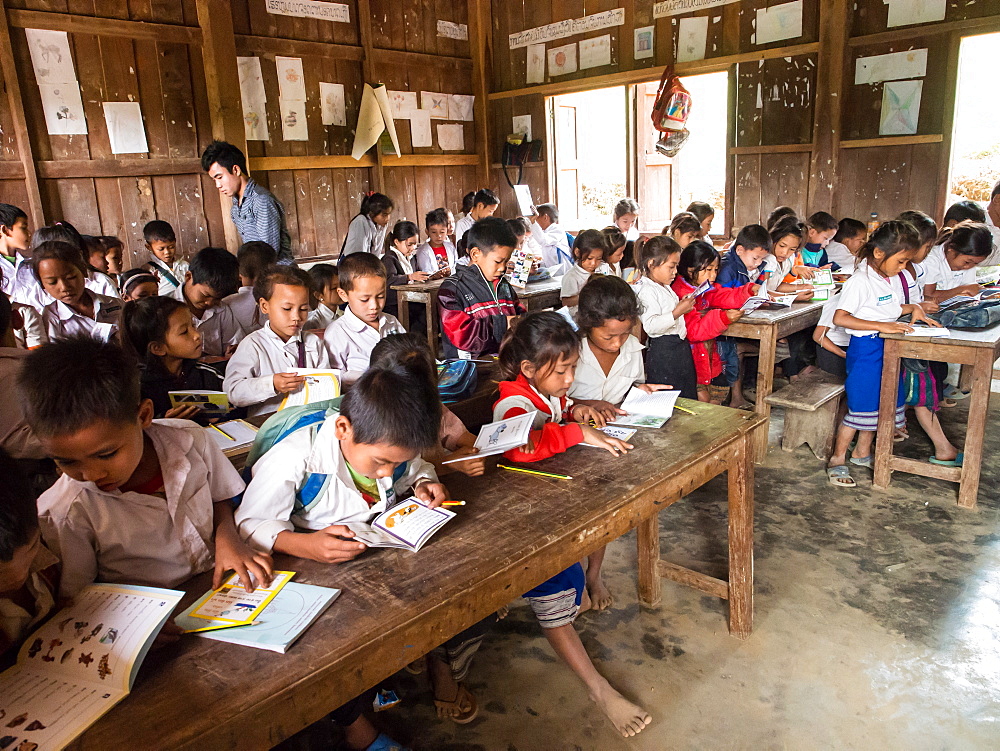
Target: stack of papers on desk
[[234, 434]]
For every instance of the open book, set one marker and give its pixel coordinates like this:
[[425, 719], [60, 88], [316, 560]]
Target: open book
[[501, 436], [232, 435], [647, 410], [80, 664], [622, 434], [521, 270], [406, 525], [320, 385], [212, 403], [764, 302]]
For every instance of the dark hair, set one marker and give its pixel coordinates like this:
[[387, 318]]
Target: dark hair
[[790, 225], [374, 204], [701, 210], [603, 298], [926, 227], [147, 321], [323, 275], [61, 231], [395, 403], [6, 313], [625, 206], [540, 338], [891, 237], [357, 265], [158, 231], [468, 202], [217, 269], [490, 233], [462, 245], [848, 228], [519, 225], [18, 510], [753, 236], [110, 241], [9, 214], [436, 217], [968, 239], [959, 212], [254, 258], [92, 245], [292, 276], [777, 214], [225, 155], [655, 251], [409, 350], [549, 210], [996, 191], [614, 239], [588, 241], [132, 277], [58, 250], [68, 385], [695, 258], [684, 223], [821, 221], [486, 197], [401, 232]]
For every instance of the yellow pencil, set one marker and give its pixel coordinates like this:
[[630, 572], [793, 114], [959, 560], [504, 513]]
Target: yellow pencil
[[534, 472], [221, 626], [453, 503], [683, 409], [216, 427]]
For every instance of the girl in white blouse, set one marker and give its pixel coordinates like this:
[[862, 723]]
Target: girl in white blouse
[[74, 310]]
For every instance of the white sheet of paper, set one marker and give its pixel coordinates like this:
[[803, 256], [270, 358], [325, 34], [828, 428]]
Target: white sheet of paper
[[906, 12], [63, 109], [255, 122], [435, 103], [420, 129], [595, 52], [50, 56], [293, 120], [928, 331], [404, 103], [900, 108], [451, 137], [614, 431], [891, 67], [251, 80], [291, 79], [536, 64], [692, 39], [779, 22], [382, 99], [333, 104], [452, 30], [525, 204], [460, 107], [125, 128], [370, 123], [562, 60], [642, 46], [522, 124]]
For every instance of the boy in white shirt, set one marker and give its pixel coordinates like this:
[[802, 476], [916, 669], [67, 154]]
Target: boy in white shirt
[[14, 242], [551, 238], [212, 276], [438, 253], [254, 259], [161, 242], [258, 375], [139, 502], [351, 338], [484, 204]]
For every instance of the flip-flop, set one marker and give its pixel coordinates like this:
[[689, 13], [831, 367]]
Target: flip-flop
[[958, 394], [956, 462], [864, 461], [840, 476], [464, 697]]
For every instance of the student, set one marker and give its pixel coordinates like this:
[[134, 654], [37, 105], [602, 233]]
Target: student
[[161, 242], [993, 223], [614, 252], [684, 229], [626, 218], [963, 211], [254, 259], [484, 204], [867, 306], [257, 214], [744, 263], [29, 291], [351, 338], [704, 213], [451, 225], [74, 310], [16, 437], [713, 311], [212, 276], [843, 248], [113, 253], [820, 229], [29, 572], [950, 266], [400, 247], [536, 366], [259, 375], [831, 341], [662, 313], [589, 250], [139, 502], [468, 201], [552, 239], [913, 274], [325, 297], [15, 239], [478, 303], [96, 258], [778, 214], [787, 236], [137, 284], [438, 254], [366, 232]]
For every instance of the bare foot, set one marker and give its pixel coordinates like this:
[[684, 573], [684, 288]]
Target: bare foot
[[584, 602], [628, 718], [600, 596], [502, 612]]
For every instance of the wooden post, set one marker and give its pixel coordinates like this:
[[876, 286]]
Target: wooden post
[[887, 415], [765, 382], [648, 541], [834, 28], [368, 73], [979, 404], [479, 45], [222, 83], [16, 106], [740, 477]]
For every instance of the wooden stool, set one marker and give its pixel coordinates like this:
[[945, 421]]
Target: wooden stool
[[811, 405]]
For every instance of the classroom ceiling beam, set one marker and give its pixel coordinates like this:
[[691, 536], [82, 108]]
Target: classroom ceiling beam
[[74, 24], [866, 143], [281, 46], [479, 44], [824, 173]]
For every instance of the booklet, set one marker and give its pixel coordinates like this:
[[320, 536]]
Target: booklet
[[80, 664], [525, 204], [987, 274], [294, 609], [501, 436], [232, 435], [406, 525], [521, 270], [622, 434], [320, 385], [212, 403], [647, 410], [766, 303], [928, 331], [702, 289], [232, 604]]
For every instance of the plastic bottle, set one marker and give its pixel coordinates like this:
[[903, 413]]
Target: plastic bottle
[[873, 222]]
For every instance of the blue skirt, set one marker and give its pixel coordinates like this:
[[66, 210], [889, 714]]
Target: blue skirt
[[864, 384]]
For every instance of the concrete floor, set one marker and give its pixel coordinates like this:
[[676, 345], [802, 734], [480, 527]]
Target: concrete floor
[[877, 627]]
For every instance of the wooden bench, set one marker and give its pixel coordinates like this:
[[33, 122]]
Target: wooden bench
[[811, 405]]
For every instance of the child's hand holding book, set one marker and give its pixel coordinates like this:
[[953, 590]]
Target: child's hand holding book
[[333, 544], [685, 306], [288, 383], [597, 439], [734, 315], [432, 494]]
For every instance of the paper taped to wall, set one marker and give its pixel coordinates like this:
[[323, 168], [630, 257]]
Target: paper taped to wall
[[890, 67]]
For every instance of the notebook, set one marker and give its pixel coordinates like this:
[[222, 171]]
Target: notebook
[[320, 385], [501, 436], [211, 402], [622, 434], [406, 525], [232, 435], [647, 410], [232, 604]]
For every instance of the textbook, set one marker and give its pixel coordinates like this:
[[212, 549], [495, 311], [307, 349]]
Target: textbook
[[211, 402], [320, 386], [521, 270], [232, 604], [766, 303], [647, 410], [80, 664], [406, 525], [294, 609], [232, 435], [622, 434], [932, 332], [501, 436]]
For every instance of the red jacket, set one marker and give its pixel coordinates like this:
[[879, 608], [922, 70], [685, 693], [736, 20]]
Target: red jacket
[[709, 320], [551, 436]]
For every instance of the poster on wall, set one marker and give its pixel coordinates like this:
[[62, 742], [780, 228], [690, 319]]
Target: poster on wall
[[451, 137], [677, 7], [643, 42], [321, 11], [332, 104], [50, 56], [562, 60], [125, 128], [906, 12], [596, 52], [779, 22], [692, 39], [293, 120], [291, 79], [900, 108], [536, 63], [63, 109], [570, 27], [253, 98]]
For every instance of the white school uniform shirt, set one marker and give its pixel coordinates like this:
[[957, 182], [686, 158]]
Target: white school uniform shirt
[[656, 304], [914, 285], [591, 383], [610, 269], [364, 236], [178, 271], [350, 342], [777, 270], [245, 310], [572, 282], [322, 317], [993, 259], [102, 284], [134, 538], [556, 254], [8, 271], [938, 271], [62, 322], [869, 296], [462, 226], [27, 289], [268, 506], [217, 326], [32, 332], [249, 380], [840, 255], [835, 334], [425, 260]]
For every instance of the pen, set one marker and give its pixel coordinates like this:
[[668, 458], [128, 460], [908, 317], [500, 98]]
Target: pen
[[534, 472], [684, 409], [215, 427], [453, 503], [221, 626]]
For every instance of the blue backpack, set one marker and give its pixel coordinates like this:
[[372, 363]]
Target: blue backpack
[[457, 379]]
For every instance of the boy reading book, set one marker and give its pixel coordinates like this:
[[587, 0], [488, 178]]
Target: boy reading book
[[212, 276], [161, 242]]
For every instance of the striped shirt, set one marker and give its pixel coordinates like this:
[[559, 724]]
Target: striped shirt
[[258, 215]]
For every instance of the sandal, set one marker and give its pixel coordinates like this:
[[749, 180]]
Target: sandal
[[899, 436], [946, 402], [416, 667], [956, 462], [384, 743], [840, 476], [862, 461], [464, 704], [955, 394]]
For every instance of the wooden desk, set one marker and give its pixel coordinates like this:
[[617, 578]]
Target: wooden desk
[[517, 531], [768, 326], [536, 296], [976, 348]]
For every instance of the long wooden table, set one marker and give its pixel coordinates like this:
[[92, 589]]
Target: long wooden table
[[976, 348], [517, 531], [536, 296], [768, 326]]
